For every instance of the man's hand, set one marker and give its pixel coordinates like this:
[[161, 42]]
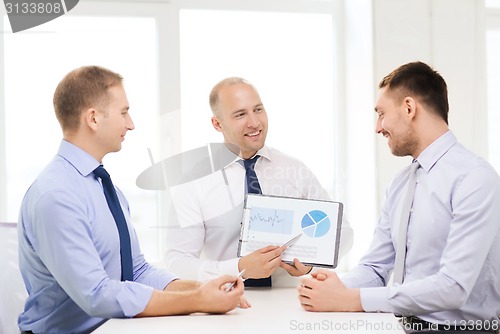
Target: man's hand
[[298, 269], [185, 297], [244, 303], [214, 299], [324, 291], [262, 262]]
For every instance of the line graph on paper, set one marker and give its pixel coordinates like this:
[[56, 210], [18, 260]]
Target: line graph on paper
[[271, 220]]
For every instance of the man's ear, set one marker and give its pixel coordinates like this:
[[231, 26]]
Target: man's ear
[[411, 106], [216, 124], [90, 117]]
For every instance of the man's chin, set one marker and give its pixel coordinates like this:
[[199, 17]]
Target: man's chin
[[258, 147], [117, 148], [399, 153]]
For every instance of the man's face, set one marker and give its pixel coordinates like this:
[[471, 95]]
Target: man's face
[[242, 118], [393, 124], [115, 120]]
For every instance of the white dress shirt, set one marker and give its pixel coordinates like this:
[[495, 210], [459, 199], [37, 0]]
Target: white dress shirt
[[202, 240], [452, 270]]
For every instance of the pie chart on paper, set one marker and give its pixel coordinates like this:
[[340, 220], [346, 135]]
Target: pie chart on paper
[[315, 224]]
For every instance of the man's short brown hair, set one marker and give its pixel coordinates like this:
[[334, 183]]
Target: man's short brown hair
[[80, 89], [421, 81]]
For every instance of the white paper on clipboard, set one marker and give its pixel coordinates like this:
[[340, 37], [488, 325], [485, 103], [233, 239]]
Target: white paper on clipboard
[[273, 220]]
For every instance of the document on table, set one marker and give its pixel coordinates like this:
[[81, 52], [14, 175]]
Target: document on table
[[273, 220]]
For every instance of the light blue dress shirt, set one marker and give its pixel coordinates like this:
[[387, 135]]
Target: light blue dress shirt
[[452, 270], [69, 251]]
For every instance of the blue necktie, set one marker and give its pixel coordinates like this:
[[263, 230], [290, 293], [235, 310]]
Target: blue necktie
[[253, 187], [121, 223]]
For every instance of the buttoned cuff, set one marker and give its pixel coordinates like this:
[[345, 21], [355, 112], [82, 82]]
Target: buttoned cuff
[[375, 299], [133, 298]]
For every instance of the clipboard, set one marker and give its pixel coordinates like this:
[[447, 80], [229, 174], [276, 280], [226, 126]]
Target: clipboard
[[273, 220]]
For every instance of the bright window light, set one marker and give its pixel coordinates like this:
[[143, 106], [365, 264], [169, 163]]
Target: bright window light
[[35, 62], [493, 70], [492, 3], [287, 56]]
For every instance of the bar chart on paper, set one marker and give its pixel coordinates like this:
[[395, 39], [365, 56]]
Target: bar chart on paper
[[315, 223]]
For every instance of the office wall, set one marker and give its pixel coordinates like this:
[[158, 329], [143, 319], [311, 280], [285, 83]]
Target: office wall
[[449, 35]]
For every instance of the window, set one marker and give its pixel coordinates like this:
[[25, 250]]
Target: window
[[287, 56], [493, 66], [34, 63], [493, 81], [492, 3]]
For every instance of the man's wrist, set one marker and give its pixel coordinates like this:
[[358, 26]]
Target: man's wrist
[[356, 300]]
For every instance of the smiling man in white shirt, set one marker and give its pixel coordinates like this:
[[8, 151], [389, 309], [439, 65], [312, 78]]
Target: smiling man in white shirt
[[209, 210]]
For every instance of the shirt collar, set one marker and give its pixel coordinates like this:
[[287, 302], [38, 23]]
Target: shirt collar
[[436, 150], [263, 152], [83, 162]]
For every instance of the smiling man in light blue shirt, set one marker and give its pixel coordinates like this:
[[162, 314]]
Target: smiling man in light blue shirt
[[69, 244], [452, 266]]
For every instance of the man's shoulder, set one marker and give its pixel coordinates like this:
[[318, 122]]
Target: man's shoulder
[[58, 175], [459, 160], [56, 183]]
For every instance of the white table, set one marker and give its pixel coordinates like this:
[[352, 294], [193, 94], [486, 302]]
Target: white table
[[274, 310]]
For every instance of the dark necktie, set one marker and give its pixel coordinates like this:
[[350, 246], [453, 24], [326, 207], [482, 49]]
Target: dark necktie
[[253, 187], [121, 223]]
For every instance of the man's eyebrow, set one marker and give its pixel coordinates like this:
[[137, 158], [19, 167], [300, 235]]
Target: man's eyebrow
[[237, 111], [260, 105]]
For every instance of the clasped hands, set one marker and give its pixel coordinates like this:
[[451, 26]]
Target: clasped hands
[[323, 291], [319, 292]]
